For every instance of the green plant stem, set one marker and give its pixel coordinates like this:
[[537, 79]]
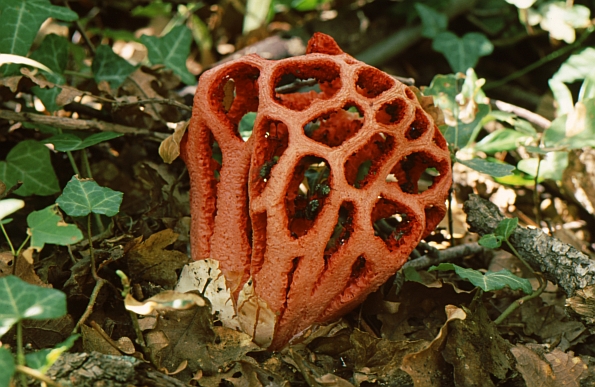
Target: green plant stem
[[548, 58], [536, 203], [78, 74], [21, 352], [75, 168], [22, 245], [542, 285], [8, 240], [99, 282], [89, 174], [23, 370], [512, 307]]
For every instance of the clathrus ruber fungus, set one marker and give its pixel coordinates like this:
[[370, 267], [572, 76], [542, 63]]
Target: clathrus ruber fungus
[[324, 201]]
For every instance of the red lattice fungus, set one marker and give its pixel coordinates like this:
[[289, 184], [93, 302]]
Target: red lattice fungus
[[342, 176]]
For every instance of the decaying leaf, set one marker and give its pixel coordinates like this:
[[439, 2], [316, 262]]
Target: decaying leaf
[[427, 367], [165, 301], [256, 318], [150, 261], [205, 277], [169, 150]]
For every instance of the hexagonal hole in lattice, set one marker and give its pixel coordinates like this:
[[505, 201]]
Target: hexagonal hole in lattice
[[417, 172], [271, 138], [306, 194], [235, 96], [419, 126], [336, 127], [361, 168], [298, 84], [393, 112], [372, 82], [391, 222]]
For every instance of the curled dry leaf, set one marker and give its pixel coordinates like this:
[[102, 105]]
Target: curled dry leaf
[[164, 301], [205, 277], [169, 150]]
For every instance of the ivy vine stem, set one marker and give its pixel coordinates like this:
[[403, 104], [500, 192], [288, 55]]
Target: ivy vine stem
[[517, 303]]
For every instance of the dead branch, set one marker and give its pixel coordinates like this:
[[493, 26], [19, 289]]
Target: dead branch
[[559, 262], [77, 124]]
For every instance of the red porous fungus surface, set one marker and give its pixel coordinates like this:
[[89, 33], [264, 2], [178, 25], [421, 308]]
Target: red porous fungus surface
[[325, 200]]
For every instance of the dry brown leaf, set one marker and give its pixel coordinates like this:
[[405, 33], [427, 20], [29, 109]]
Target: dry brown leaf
[[427, 367], [11, 82], [150, 261], [169, 150], [535, 371]]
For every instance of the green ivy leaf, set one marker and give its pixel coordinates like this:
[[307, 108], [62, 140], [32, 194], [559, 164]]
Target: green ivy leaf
[[246, 125], [506, 227], [490, 241], [171, 50], [500, 140], [22, 301], [83, 196], [7, 366], [29, 162], [53, 52], [490, 281], [462, 53], [66, 142], [552, 166], [465, 133], [107, 66], [48, 226], [412, 275], [21, 19], [488, 167], [432, 21], [43, 359]]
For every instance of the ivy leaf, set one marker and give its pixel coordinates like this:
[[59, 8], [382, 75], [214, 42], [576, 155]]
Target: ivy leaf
[[48, 226], [171, 50], [462, 53], [506, 227], [43, 359], [21, 19], [83, 196], [7, 366], [66, 142], [107, 66], [552, 166], [22, 301], [432, 21], [490, 281], [53, 52], [490, 241], [29, 162], [488, 167], [500, 140]]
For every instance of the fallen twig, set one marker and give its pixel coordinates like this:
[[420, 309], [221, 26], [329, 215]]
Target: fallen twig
[[77, 124]]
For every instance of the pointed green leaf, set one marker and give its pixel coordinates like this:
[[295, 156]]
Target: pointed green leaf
[[29, 162], [83, 196], [22, 301], [52, 52], [506, 227], [171, 50], [72, 142], [7, 366], [107, 66], [490, 281], [490, 241], [465, 133], [500, 140], [488, 167], [551, 167], [20, 20], [462, 53], [48, 226], [432, 21]]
